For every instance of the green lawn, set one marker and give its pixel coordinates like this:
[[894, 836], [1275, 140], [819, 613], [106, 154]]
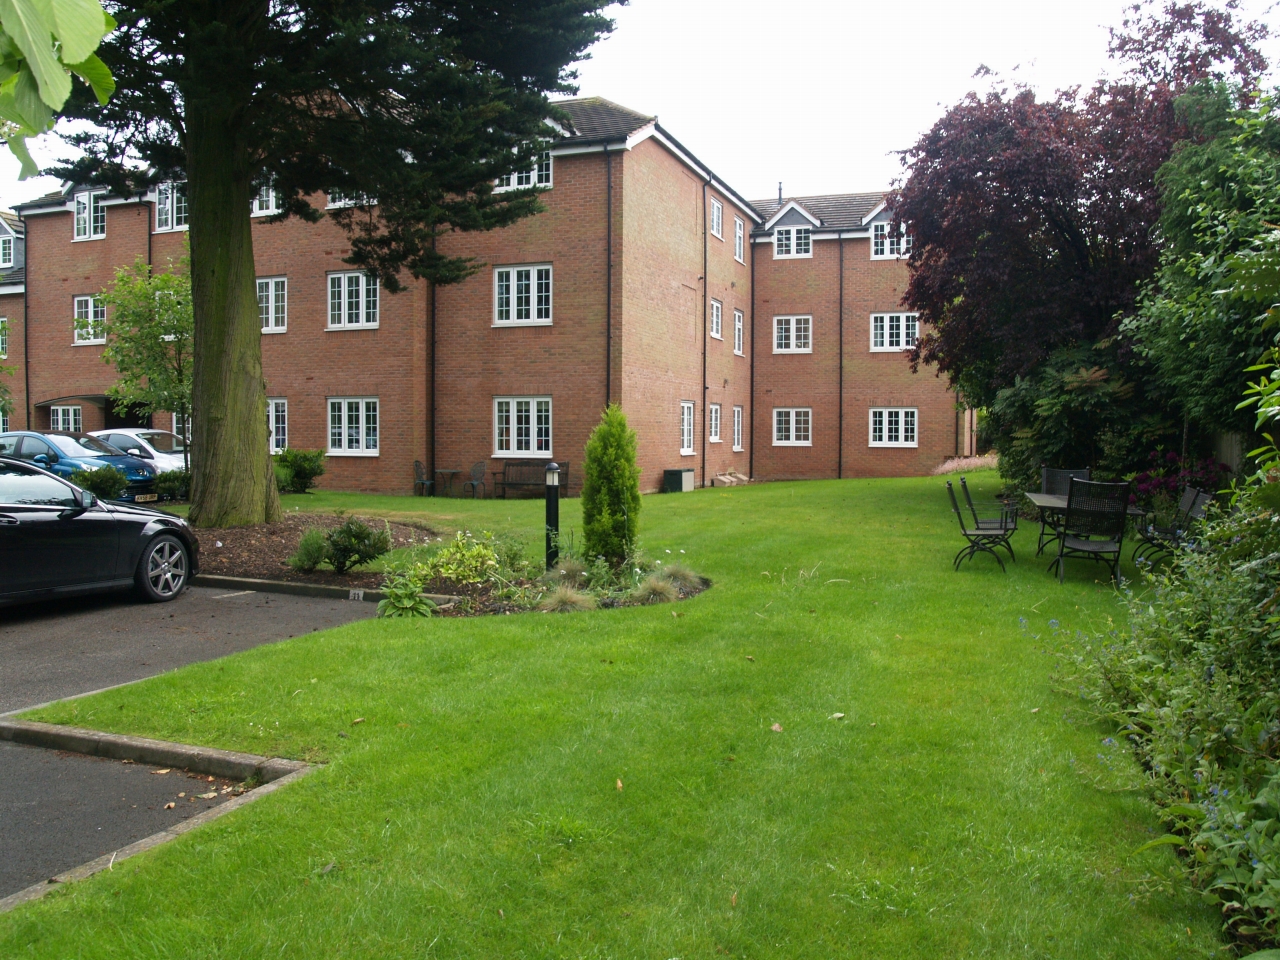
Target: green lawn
[[955, 811]]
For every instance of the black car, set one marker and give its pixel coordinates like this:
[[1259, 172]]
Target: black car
[[58, 540]]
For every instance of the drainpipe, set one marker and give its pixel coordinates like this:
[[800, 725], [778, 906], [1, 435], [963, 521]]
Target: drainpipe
[[26, 340], [840, 401], [751, 422], [608, 277], [431, 378], [706, 282]]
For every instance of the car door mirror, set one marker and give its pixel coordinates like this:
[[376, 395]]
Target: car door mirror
[[88, 500], [41, 459], [142, 454]]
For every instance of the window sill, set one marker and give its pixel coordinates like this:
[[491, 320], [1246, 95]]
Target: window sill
[[714, 440], [182, 229], [716, 336], [352, 453], [741, 261], [891, 256], [352, 326], [892, 349], [522, 455], [793, 256], [87, 239], [522, 323], [805, 350], [718, 236], [88, 343], [738, 450], [793, 443], [687, 453], [738, 353], [894, 446], [264, 213], [270, 330]]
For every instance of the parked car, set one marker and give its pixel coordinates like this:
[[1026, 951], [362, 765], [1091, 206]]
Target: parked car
[[57, 540], [162, 449], [65, 453]]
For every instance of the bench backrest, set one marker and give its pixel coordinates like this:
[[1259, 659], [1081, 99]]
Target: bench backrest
[[524, 471]]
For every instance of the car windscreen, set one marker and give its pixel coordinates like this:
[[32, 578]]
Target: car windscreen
[[18, 487], [82, 445], [163, 441]]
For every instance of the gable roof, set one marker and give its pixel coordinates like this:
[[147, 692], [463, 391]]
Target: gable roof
[[12, 222], [596, 120], [840, 211]]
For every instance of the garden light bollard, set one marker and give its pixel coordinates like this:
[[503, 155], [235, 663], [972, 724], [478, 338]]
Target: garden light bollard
[[553, 514]]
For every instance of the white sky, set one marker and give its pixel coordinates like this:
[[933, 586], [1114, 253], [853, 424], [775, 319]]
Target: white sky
[[815, 93]]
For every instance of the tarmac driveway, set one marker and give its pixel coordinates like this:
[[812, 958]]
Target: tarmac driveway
[[60, 648]]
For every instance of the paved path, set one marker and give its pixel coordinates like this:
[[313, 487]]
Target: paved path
[[60, 648], [58, 810]]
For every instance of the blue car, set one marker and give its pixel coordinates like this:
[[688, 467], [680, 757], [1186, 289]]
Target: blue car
[[65, 453]]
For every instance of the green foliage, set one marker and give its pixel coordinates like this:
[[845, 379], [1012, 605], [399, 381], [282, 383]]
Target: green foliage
[[44, 43], [105, 483], [313, 550], [355, 543], [464, 559], [297, 469], [149, 330], [1192, 684], [403, 597], [174, 484], [610, 488]]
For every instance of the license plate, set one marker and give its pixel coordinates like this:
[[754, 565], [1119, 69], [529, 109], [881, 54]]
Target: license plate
[[146, 497]]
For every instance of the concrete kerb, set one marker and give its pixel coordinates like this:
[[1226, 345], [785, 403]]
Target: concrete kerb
[[305, 589], [272, 772]]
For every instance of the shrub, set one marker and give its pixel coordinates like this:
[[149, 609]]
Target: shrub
[[284, 476], [569, 571], [403, 597], [174, 484], [463, 559], [299, 468], [655, 589], [611, 489], [313, 550], [565, 599], [105, 483], [682, 577], [355, 543]]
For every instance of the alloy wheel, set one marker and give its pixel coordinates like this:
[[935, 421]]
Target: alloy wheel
[[166, 568]]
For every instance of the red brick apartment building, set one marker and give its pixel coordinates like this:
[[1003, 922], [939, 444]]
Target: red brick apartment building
[[737, 336]]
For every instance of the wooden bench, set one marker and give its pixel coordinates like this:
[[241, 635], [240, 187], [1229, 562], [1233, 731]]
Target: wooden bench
[[527, 475]]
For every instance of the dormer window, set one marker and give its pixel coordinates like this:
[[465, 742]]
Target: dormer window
[[6, 251], [90, 216], [792, 242], [538, 176], [171, 206], [887, 245]]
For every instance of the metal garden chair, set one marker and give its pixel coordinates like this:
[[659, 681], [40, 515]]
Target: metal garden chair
[[420, 481], [1008, 519], [1159, 541], [1093, 528], [476, 483], [980, 541], [1055, 481]]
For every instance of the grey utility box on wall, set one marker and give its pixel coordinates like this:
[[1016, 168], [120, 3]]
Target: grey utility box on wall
[[677, 481]]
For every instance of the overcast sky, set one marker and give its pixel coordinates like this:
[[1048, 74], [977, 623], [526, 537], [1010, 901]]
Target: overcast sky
[[815, 93]]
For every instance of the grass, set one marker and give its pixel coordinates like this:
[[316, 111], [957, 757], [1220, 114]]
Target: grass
[[613, 783]]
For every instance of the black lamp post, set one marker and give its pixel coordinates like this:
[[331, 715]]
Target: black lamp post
[[553, 514]]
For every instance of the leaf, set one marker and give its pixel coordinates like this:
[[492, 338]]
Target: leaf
[[170, 805], [95, 73], [208, 796], [79, 25], [30, 24], [1264, 955], [836, 716], [156, 773], [619, 784], [776, 728], [1169, 840], [357, 720], [18, 147]]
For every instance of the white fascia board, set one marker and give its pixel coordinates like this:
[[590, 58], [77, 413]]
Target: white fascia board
[[68, 205], [8, 288], [706, 175], [874, 213], [851, 234], [791, 205]]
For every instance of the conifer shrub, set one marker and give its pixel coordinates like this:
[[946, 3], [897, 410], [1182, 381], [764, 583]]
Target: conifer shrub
[[610, 489]]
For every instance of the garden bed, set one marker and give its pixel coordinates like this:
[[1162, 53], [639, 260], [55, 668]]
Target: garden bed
[[262, 551]]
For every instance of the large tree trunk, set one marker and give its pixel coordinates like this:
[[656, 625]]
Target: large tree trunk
[[232, 480]]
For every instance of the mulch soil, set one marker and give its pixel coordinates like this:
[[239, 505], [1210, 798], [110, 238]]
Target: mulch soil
[[263, 551]]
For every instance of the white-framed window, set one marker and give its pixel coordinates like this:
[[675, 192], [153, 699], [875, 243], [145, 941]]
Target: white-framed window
[[273, 304], [717, 219], [737, 428], [893, 427], [66, 419], [686, 428], [790, 243], [171, 206], [266, 201], [739, 240], [792, 335], [338, 198], [353, 426], [90, 216], [6, 251], [738, 318], [278, 423], [791, 426], [522, 295], [90, 320], [887, 245], [717, 319], [4, 423], [182, 426], [353, 300], [4, 338], [893, 331], [538, 176], [713, 423], [522, 427]]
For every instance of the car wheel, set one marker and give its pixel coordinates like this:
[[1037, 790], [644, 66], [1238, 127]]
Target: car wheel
[[162, 571]]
